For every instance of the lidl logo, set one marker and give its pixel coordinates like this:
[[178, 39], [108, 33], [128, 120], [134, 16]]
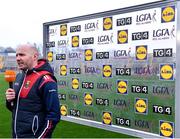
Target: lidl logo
[[107, 118], [141, 105], [107, 23], [122, 36], [122, 87], [63, 70], [166, 72], [63, 110], [107, 70], [166, 129], [168, 14], [141, 52], [75, 83], [88, 55], [75, 41], [88, 98], [50, 56], [63, 30]]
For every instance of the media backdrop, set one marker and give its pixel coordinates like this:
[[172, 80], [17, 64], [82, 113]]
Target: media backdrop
[[117, 68]]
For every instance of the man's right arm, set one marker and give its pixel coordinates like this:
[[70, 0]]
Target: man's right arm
[[9, 106], [10, 96]]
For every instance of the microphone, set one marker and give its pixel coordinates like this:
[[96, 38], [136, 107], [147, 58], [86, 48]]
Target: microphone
[[10, 76]]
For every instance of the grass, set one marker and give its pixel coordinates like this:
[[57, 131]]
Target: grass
[[70, 130], [63, 130]]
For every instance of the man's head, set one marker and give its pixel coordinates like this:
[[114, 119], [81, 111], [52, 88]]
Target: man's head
[[26, 56]]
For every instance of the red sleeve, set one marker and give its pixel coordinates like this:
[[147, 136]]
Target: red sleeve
[[47, 132]]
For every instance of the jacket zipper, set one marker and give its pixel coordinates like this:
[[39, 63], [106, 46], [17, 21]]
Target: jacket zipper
[[17, 105], [35, 121]]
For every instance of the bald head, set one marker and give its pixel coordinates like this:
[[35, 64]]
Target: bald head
[[26, 56], [29, 47]]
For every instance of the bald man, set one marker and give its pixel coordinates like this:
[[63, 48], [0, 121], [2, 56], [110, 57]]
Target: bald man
[[34, 98]]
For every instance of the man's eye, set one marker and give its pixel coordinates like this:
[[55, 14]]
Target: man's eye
[[19, 55]]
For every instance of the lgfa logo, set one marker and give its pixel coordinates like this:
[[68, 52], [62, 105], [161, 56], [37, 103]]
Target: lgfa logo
[[50, 56], [63, 110], [107, 119], [166, 129], [75, 41], [75, 83], [63, 70], [63, 30], [122, 87], [141, 106], [168, 14], [107, 70], [88, 99], [88, 55], [107, 23], [27, 84], [122, 36], [141, 52], [166, 72]]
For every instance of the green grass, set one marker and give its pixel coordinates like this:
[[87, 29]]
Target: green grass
[[63, 130], [70, 130], [5, 115]]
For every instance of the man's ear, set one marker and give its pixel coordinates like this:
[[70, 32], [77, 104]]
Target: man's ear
[[36, 56]]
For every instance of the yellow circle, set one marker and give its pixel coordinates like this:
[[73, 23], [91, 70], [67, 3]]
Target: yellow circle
[[75, 83], [88, 55], [166, 72], [107, 23], [75, 41], [123, 36], [1, 62], [107, 71], [166, 129], [63, 70], [63, 30], [141, 106], [50, 56], [168, 14], [122, 87], [107, 118], [63, 110], [88, 99], [141, 53]]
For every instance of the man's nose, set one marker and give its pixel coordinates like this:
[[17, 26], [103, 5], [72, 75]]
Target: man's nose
[[18, 57]]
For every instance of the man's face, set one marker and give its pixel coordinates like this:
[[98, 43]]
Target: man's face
[[24, 58]]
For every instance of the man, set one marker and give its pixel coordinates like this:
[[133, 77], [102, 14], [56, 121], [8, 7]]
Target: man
[[34, 99]]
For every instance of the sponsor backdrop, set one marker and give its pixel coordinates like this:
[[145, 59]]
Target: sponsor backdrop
[[118, 70]]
